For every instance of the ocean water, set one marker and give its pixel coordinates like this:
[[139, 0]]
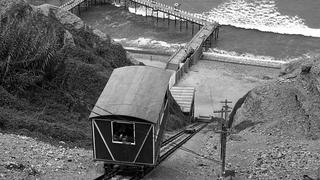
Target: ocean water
[[263, 29]]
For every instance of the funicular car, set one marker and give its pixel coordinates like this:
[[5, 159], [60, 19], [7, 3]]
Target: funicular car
[[129, 118]]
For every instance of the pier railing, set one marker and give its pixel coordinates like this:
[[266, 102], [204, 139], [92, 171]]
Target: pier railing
[[156, 6], [186, 56], [71, 4], [196, 18]]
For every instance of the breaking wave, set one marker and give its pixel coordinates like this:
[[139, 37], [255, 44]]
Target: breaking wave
[[147, 43], [262, 15], [245, 55]]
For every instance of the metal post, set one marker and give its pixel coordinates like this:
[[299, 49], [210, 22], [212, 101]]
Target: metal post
[[217, 32], [135, 8], [180, 23], [223, 146], [175, 21], [221, 126], [223, 137], [163, 17], [210, 40], [146, 12], [168, 20], [157, 17], [151, 15], [187, 24], [192, 28]]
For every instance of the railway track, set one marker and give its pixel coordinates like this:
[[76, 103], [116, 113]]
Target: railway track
[[179, 144], [170, 142], [180, 133]]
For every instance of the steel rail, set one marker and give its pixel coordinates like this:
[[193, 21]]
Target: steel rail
[[177, 146], [109, 175], [180, 133]]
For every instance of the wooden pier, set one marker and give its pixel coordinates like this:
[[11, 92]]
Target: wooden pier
[[76, 6], [194, 48], [169, 12], [180, 62]]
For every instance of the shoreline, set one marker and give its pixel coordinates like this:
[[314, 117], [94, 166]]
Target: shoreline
[[207, 56]]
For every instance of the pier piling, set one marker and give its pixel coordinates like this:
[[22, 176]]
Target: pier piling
[[192, 28], [157, 18], [76, 6], [175, 21], [203, 39]]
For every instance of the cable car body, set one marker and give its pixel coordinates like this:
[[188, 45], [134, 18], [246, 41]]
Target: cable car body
[[129, 118]]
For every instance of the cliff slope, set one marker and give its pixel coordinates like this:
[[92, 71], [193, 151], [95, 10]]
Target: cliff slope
[[52, 69], [278, 126], [289, 106]]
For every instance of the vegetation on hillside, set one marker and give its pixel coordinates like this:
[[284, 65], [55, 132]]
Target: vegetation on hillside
[[48, 85], [52, 70]]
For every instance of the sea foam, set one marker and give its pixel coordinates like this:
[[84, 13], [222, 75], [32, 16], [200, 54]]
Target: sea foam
[[149, 43], [261, 15]]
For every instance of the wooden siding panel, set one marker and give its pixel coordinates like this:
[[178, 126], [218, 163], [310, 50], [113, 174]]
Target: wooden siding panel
[[125, 153], [101, 150], [146, 153]]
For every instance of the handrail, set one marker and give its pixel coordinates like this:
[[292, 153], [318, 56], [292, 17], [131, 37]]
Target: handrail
[[182, 14]]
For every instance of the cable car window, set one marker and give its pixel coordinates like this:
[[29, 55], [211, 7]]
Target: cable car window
[[123, 133]]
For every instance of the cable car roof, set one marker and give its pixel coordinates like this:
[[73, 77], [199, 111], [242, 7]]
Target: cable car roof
[[136, 91]]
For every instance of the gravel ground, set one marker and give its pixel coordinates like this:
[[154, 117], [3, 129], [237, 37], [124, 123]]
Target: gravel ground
[[26, 158], [190, 162], [255, 156], [216, 81]]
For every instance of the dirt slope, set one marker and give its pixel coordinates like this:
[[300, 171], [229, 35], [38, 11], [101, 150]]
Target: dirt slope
[[53, 68], [278, 126], [289, 106]]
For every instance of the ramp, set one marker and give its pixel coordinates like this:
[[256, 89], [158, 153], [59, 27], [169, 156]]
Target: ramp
[[184, 96]]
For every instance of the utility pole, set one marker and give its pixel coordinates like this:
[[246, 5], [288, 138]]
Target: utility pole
[[223, 136], [226, 107]]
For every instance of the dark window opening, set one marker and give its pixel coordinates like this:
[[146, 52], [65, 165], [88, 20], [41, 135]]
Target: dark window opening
[[123, 133]]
